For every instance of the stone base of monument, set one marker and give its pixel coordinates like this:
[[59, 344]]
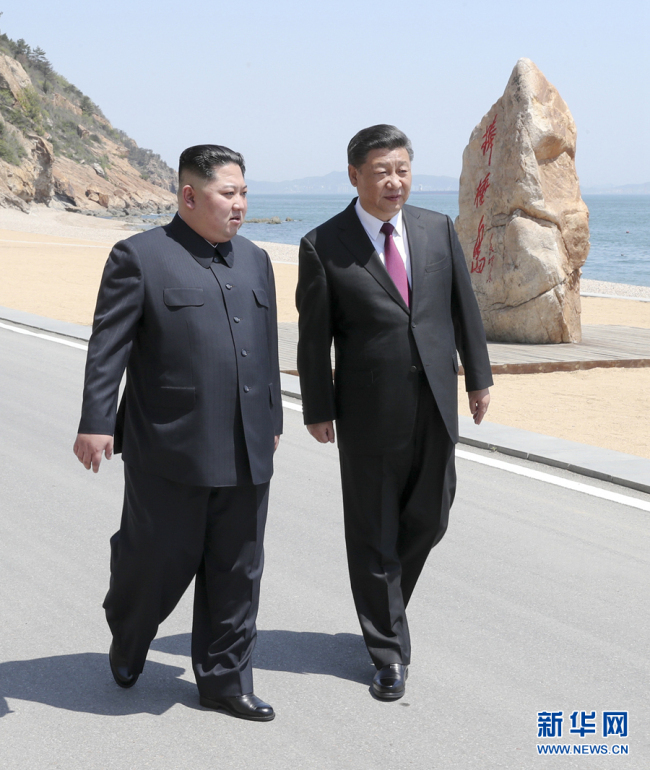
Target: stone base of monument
[[601, 347]]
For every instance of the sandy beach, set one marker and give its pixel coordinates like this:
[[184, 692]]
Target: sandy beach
[[52, 261]]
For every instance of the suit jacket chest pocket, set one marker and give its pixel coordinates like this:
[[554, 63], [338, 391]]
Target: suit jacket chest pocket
[[261, 298], [178, 341], [437, 263], [175, 299]]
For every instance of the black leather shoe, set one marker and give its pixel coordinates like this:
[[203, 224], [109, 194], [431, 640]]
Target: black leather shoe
[[241, 706], [389, 683], [119, 668]]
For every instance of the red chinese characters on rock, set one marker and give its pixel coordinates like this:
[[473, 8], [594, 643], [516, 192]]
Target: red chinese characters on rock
[[478, 262], [490, 261], [488, 139], [479, 198]]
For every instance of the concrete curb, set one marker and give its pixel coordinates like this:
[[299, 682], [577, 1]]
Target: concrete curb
[[615, 467], [604, 464], [76, 331]]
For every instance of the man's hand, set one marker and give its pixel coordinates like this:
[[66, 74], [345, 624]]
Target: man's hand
[[89, 447], [322, 431], [276, 443], [479, 401]]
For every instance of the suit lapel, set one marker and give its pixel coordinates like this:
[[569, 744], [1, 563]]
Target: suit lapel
[[416, 234], [355, 239]]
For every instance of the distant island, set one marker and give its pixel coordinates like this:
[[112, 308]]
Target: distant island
[[58, 148], [337, 183], [622, 189]]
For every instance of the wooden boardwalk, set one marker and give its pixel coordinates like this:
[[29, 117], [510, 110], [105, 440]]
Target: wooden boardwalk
[[601, 346]]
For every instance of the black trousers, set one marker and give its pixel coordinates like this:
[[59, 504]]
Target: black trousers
[[169, 534], [396, 508]]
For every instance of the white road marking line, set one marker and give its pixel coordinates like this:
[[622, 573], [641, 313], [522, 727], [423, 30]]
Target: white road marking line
[[295, 407], [548, 478], [70, 344], [518, 470], [605, 494]]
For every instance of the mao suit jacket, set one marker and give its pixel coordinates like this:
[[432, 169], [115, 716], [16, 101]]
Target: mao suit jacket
[[381, 346], [198, 339]]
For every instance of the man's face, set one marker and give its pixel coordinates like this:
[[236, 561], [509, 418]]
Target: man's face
[[215, 208], [383, 182]]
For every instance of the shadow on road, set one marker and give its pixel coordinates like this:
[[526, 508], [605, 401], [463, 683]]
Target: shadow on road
[[297, 652], [83, 682]]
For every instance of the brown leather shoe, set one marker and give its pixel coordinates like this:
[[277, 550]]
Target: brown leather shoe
[[241, 706], [389, 683]]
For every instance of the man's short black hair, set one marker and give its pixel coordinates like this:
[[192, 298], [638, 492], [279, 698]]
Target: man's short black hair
[[202, 159], [381, 137]]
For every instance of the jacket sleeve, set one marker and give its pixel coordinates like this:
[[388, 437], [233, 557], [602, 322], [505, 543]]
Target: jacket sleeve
[[315, 337], [273, 349], [118, 310], [468, 326]]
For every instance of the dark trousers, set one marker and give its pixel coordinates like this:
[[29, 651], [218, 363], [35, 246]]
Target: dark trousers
[[169, 534], [396, 508]]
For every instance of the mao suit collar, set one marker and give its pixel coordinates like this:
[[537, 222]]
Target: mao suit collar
[[202, 251]]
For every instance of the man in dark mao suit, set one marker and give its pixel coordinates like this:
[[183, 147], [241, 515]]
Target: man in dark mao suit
[[189, 310], [389, 285]]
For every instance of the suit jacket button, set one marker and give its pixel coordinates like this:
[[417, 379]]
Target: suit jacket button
[[246, 388], [413, 326], [228, 286], [236, 320], [414, 368], [244, 352]]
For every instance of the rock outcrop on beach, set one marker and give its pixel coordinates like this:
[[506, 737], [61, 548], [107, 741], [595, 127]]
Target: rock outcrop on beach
[[57, 148], [523, 224]]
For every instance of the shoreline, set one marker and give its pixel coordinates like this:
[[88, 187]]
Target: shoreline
[[52, 262], [45, 220], [610, 289]]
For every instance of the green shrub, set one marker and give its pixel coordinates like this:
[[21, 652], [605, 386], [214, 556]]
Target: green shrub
[[11, 150], [87, 107]]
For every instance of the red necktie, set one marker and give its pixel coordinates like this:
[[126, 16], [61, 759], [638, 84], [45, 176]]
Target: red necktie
[[394, 263]]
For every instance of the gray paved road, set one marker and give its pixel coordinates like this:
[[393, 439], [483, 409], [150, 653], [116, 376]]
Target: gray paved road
[[537, 599]]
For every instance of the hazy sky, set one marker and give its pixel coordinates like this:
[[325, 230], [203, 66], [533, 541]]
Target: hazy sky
[[289, 82]]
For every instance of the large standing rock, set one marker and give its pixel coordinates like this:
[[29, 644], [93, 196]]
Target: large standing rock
[[523, 224]]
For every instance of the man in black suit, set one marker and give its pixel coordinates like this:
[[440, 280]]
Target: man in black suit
[[389, 284], [189, 310]]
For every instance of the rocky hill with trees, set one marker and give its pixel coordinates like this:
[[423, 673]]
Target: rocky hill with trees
[[58, 148]]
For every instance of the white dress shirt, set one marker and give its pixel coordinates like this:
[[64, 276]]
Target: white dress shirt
[[372, 226]]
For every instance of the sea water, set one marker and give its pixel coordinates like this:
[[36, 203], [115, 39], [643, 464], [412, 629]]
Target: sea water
[[619, 227], [309, 211]]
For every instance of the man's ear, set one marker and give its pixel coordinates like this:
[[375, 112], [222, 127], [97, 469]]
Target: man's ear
[[353, 173], [188, 196]]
